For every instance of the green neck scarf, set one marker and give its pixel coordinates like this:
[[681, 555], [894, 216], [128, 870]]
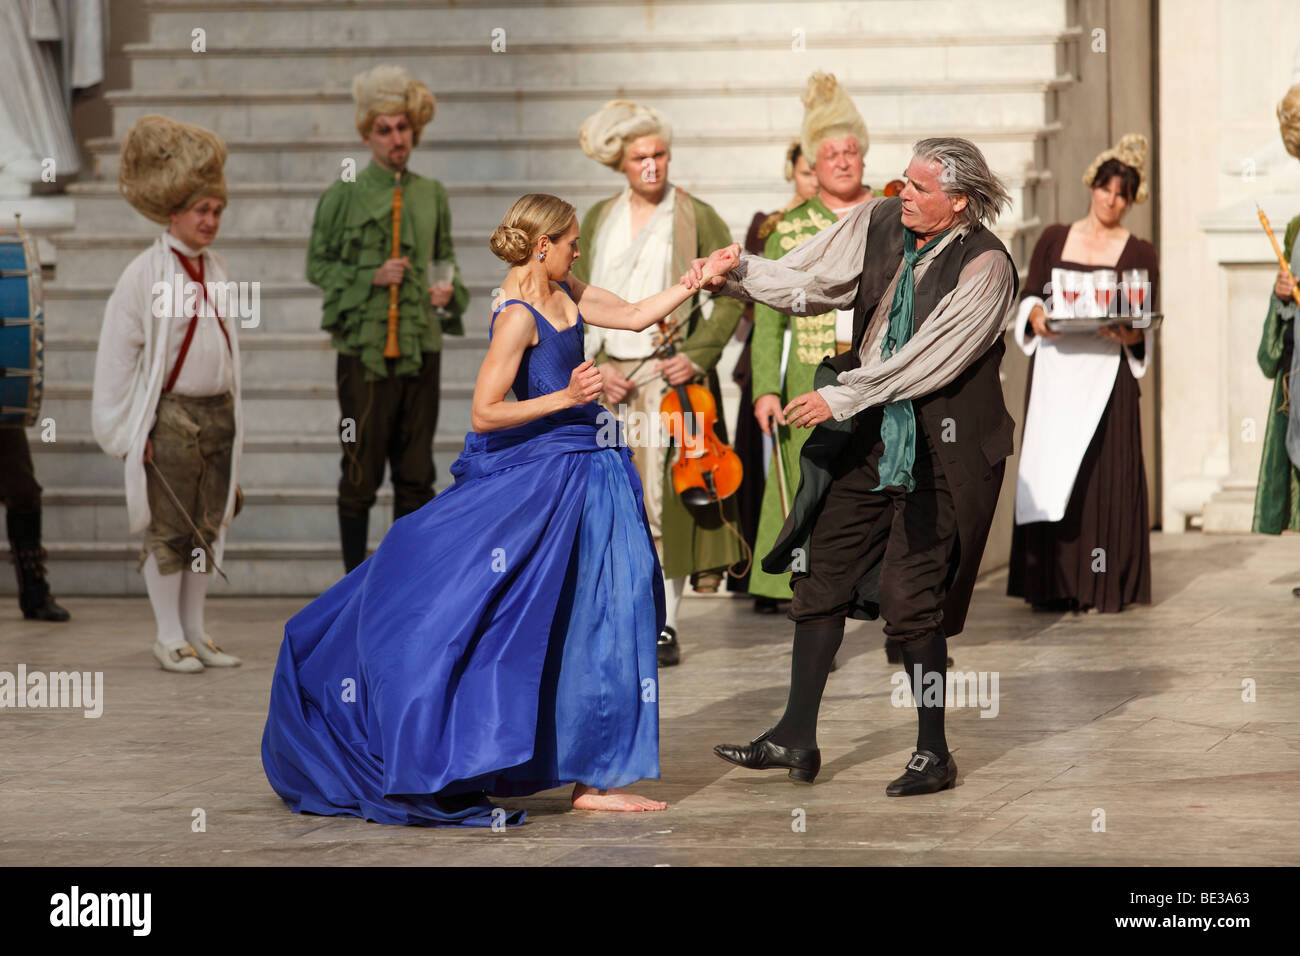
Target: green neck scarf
[[898, 425]]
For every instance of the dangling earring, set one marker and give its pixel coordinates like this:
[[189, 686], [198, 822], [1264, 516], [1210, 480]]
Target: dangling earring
[[541, 257]]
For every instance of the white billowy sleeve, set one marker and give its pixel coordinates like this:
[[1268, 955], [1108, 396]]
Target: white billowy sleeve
[[1138, 366], [1028, 343], [962, 327], [819, 275], [120, 361]]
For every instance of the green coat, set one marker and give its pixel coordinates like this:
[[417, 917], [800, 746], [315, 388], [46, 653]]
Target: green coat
[[352, 236], [1277, 494], [812, 339], [689, 544]]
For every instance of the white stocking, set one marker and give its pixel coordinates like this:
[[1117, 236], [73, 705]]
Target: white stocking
[[194, 593], [165, 596], [673, 588]]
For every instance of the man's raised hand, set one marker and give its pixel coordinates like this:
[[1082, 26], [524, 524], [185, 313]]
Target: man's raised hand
[[808, 410], [710, 273]]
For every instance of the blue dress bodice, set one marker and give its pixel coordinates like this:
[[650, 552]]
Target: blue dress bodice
[[546, 366]]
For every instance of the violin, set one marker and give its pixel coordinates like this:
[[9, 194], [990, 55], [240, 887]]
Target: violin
[[706, 469]]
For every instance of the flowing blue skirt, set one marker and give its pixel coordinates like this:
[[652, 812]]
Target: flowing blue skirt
[[501, 640]]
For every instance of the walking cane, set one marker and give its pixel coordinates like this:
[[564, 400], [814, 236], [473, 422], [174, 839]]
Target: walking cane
[[782, 488], [181, 508]]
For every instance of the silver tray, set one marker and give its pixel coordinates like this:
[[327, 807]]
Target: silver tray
[[1067, 326]]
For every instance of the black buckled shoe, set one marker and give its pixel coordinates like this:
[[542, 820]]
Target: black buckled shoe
[[762, 754], [667, 649], [925, 773]]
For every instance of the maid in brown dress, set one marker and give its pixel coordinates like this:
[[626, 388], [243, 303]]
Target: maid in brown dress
[[1081, 538]]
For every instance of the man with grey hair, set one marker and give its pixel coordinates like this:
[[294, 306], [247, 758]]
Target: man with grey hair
[[900, 478]]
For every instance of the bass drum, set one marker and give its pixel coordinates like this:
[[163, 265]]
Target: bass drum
[[22, 330]]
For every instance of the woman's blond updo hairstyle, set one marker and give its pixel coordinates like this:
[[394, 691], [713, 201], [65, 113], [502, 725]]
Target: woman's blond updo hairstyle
[[526, 221]]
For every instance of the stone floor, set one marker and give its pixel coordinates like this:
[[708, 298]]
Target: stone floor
[[1135, 720]]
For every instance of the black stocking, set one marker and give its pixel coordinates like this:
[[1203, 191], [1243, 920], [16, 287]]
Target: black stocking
[[930, 655], [810, 662]]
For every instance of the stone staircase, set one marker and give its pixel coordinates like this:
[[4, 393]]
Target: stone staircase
[[274, 82]]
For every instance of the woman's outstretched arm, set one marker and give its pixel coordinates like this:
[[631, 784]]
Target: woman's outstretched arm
[[605, 309], [513, 333]]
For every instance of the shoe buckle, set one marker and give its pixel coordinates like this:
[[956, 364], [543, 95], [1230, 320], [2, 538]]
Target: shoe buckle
[[918, 762]]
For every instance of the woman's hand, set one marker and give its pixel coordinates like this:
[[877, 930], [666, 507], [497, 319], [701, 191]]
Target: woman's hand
[[1123, 334], [1038, 322], [766, 408], [148, 450], [584, 384], [710, 273], [1284, 286]]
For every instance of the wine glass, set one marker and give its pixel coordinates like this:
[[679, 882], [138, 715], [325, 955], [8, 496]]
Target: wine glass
[[1104, 281], [1070, 292], [1137, 284], [442, 272]]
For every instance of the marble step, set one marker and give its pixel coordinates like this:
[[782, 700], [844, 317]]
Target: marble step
[[286, 308], [310, 407], [269, 357], [300, 515], [750, 156], [330, 22], [270, 258], [478, 207], [287, 568], [542, 110], [299, 459], [170, 63]]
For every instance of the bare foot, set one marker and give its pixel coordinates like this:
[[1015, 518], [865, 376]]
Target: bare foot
[[589, 798]]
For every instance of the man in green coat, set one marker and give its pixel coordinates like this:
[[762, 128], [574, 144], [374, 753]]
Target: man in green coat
[[635, 244], [388, 406], [834, 138]]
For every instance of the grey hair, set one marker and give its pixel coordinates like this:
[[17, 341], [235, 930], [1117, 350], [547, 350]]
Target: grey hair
[[966, 173]]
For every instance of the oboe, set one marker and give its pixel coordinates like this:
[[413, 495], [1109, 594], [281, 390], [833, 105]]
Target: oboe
[[391, 348]]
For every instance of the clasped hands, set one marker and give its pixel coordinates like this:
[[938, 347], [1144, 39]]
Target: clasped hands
[[805, 410], [393, 271]]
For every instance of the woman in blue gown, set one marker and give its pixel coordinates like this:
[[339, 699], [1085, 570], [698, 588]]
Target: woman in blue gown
[[502, 638]]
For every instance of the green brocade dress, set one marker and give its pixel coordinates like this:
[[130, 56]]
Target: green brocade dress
[[1277, 493]]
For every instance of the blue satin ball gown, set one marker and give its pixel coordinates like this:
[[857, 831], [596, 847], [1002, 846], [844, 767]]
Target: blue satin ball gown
[[500, 641]]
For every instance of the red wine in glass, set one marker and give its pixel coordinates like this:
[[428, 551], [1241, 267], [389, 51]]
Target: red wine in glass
[[1135, 288]]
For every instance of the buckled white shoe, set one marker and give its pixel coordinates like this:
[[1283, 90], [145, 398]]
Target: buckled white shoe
[[213, 656], [181, 659]]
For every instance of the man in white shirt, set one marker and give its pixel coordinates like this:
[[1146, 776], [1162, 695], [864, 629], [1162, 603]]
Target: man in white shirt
[[167, 383]]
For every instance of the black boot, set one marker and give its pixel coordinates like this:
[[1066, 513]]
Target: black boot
[[29, 557], [353, 532]]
